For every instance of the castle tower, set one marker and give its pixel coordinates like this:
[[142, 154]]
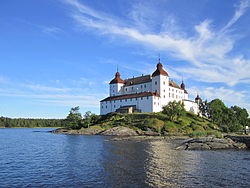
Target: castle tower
[[183, 87], [115, 85]]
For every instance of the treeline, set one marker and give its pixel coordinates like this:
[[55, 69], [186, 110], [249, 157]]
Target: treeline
[[231, 119], [26, 122]]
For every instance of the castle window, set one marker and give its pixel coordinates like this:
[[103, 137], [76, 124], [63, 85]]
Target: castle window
[[154, 103], [130, 99], [163, 82], [172, 95], [141, 98], [176, 97], [132, 88], [126, 89], [120, 100], [164, 96], [106, 102], [141, 86], [114, 101], [155, 82], [145, 85], [164, 90], [106, 106], [102, 106], [156, 91], [114, 106], [125, 100], [113, 91], [136, 99], [147, 97], [110, 101], [169, 95], [158, 104]]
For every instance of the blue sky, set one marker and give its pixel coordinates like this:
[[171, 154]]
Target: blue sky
[[57, 54]]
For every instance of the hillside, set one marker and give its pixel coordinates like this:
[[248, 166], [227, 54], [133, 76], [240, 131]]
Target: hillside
[[188, 124]]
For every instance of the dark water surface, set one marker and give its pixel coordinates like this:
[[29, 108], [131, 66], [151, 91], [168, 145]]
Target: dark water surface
[[35, 158]]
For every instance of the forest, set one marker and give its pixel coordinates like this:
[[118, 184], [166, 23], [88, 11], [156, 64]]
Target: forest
[[26, 122]]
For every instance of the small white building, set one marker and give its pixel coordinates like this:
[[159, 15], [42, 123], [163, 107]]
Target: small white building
[[145, 94]]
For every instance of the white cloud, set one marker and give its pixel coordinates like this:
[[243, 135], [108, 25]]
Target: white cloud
[[206, 53], [227, 95], [38, 87], [244, 4]]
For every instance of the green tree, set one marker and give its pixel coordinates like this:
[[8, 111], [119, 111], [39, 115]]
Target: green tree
[[74, 118], [241, 114], [216, 111], [89, 119], [174, 110]]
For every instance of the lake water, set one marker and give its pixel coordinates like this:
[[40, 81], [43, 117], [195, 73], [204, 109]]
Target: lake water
[[36, 158]]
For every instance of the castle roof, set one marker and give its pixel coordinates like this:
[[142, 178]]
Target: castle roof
[[183, 87], [159, 70], [117, 79], [174, 84], [138, 80], [135, 95]]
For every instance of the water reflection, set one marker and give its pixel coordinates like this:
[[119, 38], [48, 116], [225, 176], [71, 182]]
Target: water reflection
[[151, 163]]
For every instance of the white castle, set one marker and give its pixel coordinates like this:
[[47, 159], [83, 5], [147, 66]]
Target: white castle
[[146, 94]]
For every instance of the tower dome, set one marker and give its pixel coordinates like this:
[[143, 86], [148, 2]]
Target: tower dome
[[117, 79], [159, 70]]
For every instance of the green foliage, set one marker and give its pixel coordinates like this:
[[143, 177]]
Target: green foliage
[[205, 133], [89, 119], [73, 120], [26, 122], [174, 110], [228, 119]]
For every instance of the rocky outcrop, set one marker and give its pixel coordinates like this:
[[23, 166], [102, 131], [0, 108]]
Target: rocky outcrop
[[242, 139], [86, 131], [115, 131], [119, 131], [210, 143]]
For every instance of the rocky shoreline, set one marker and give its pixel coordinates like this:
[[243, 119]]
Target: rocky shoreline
[[126, 134], [210, 143]]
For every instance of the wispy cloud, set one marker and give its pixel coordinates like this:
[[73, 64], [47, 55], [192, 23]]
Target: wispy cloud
[[38, 87], [227, 95], [242, 7], [51, 30], [207, 51]]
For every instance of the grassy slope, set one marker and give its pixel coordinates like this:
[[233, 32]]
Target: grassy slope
[[189, 124]]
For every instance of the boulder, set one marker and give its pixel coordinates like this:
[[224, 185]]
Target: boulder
[[119, 131], [210, 143]]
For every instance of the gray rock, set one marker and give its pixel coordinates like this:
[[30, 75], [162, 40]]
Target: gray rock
[[201, 140], [119, 131], [207, 143], [218, 145], [197, 146], [86, 131]]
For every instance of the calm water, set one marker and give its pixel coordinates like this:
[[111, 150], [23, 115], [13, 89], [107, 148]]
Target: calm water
[[35, 158]]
